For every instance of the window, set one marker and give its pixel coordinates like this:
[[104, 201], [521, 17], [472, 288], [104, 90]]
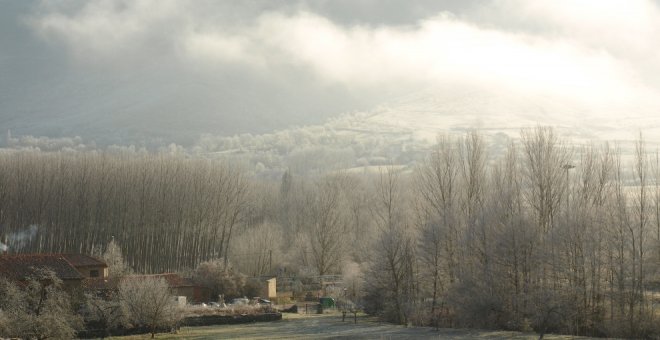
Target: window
[[94, 273]]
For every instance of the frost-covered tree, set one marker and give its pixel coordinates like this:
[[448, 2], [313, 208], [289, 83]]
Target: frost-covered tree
[[149, 303], [117, 266], [41, 309], [103, 313]]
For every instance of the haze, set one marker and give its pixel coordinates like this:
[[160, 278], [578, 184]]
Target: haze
[[441, 164], [168, 71]]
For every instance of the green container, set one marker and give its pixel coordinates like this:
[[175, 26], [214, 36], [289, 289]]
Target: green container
[[327, 302]]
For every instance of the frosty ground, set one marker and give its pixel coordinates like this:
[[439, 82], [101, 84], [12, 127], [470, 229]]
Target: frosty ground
[[330, 326]]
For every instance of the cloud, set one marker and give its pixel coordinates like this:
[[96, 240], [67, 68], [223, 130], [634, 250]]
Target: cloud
[[443, 49], [593, 51], [621, 27]]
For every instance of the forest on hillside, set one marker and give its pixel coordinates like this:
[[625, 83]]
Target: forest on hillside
[[544, 236]]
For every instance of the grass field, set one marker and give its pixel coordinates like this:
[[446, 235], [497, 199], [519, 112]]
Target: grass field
[[330, 326]]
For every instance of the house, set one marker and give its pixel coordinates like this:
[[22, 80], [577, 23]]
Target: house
[[178, 285], [72, 269], [87, 265], [19, 267]]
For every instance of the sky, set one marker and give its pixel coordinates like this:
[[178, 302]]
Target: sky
[[168, 70]]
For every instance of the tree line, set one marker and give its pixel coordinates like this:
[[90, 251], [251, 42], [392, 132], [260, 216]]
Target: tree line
[[549, 237], [166, 212], [546, 237]]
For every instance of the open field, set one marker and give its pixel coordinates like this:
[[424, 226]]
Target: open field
[[330, 326]]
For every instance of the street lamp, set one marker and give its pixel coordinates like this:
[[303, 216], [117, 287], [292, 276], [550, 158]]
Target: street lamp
[[567, 167]]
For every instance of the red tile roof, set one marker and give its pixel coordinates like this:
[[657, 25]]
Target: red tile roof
[[80, 260], [21, 266]]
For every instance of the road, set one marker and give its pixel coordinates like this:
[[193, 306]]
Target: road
[[330, 326]]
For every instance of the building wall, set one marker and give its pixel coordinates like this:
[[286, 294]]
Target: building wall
[[271, 288], [188, 292], [87, 271], [192, 294]]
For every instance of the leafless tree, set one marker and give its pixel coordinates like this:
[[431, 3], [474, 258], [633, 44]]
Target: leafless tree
[[167, 212], [436, 183], [328, 226], [393, 267], [105, 313], [545, 160], [149, 303], [472, 160]]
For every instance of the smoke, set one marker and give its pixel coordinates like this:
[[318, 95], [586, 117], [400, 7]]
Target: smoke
[[19, 239]]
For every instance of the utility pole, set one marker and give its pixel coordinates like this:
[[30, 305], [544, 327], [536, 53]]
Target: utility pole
[[567, 167]]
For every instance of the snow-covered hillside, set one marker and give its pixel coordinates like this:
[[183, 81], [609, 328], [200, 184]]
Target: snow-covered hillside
[[403, 129], [423, 115]]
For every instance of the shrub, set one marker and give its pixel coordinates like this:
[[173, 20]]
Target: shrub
[[40, 309]]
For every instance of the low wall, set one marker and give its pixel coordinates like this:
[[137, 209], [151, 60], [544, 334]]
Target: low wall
[[208, 320], [201, 320]]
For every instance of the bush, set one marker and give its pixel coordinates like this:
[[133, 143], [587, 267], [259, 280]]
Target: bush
[[104, 315], [223, 279], [40, 310], [149, 303]]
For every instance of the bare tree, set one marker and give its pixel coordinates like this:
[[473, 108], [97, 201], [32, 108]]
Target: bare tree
[[256, 248], [544, 172], [149, 303], [392, 268], [436, 183], [105, 313], [328, 226], [168, 212], [472, 160]]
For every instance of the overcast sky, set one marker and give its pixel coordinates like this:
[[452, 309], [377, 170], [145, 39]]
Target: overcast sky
[[239, 66]]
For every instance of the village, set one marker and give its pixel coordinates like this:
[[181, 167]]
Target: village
[[182, 301], [189, 312]]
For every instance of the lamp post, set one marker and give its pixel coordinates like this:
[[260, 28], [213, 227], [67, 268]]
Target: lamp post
[[343, 307], [567, 167]]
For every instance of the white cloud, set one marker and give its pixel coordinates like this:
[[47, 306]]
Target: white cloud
[[624, 26], [593, 51], [443, 49], [108, 28], [217, 47]]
